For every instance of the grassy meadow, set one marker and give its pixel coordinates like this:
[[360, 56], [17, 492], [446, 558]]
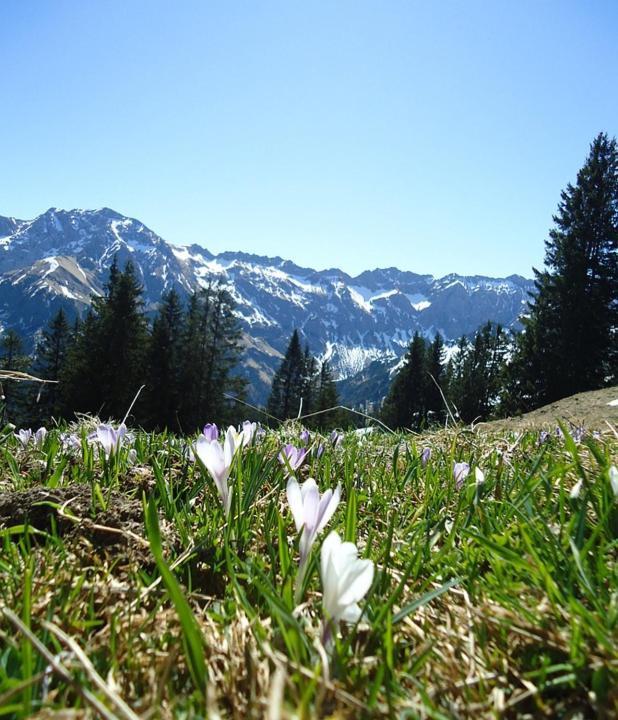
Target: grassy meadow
[[126, 591]]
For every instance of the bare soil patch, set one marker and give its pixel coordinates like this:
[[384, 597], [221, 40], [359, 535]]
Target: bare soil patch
[[70, 511]]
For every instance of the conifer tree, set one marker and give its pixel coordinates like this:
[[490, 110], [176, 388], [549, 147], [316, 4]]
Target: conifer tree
[[289, 382], [570, 339], [211, 349], [477, 381], [163, 392], [326, 397], [405, 405], [50, 359], [105, 366]]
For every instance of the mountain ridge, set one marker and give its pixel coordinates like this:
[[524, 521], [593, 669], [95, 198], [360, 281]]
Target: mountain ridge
[[62, 257]]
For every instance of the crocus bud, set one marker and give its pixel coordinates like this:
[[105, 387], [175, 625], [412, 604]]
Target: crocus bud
[[460, 473], [211, 432]]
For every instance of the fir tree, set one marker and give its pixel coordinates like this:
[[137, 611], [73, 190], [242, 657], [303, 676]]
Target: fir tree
[[405, 405], [570, 341], [163, 364], [211, 349], [326, 397], [105, 367], [289, 382], [50, 359]]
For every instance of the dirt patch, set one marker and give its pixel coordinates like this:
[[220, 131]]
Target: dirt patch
[[70, 512], [590, 410]]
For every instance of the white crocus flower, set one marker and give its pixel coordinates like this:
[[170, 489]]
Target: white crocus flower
[[479, 476], [248, 432], [345, 580], [24, 436], [311, 513], [613, 480], [218, 462], [234, 437], [576, 490]]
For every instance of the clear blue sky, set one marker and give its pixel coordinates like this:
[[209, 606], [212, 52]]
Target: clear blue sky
[[433, 136]]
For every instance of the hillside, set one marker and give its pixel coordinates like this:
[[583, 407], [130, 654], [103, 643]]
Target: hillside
[[594, 410]]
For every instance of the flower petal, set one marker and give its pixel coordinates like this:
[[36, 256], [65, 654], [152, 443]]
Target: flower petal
[[295, 501]]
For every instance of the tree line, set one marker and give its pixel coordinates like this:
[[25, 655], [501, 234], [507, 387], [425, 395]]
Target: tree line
[[186, 359]]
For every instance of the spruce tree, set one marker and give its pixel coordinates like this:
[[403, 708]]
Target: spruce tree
[[570, 342], [326, 397], [163, 364], [105, 366], [50, 359], [289, 382], [405, 405], [211, 350]]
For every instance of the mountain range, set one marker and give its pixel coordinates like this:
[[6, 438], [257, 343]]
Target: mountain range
[[362, 325]]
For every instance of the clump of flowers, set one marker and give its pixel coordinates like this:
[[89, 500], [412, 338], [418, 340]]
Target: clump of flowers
[[27, 436]]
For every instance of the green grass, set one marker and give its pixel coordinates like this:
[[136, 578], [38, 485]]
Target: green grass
[[498, 600]]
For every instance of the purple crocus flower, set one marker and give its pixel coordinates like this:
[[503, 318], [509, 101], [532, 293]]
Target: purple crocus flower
[[318, 451], [460, 473], [218, 460], [292, 457], [336, 438], [210, 432], [109, 438], [543, 437], [24, 436], [70, 442], [39, 437], [305, 437], [425, 456]]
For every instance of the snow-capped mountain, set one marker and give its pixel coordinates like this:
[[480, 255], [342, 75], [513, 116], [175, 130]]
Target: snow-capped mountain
[[62, 258]]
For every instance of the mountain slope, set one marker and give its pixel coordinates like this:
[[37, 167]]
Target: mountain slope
[[62, 257]]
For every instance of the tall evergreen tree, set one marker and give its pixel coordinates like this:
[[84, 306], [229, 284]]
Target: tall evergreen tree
[[211, 349], [476, 381], [405, 405], [50, 359], [570, 339], [289, 382], [163, 392], [326, 397], [105, 366]]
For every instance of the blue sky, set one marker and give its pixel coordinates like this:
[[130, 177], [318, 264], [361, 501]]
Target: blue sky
[[432, 136]]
